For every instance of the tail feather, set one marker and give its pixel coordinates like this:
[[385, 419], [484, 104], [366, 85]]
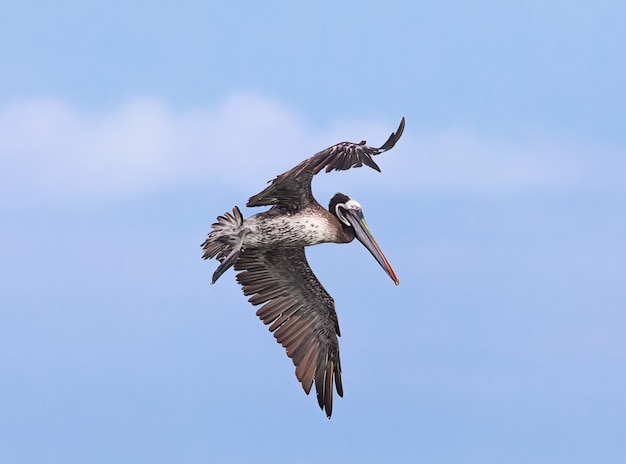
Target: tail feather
[[230, 259], [219, 243]]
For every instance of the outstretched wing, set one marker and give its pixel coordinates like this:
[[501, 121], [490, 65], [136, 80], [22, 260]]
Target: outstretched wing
[[301, 313], [292, 189]]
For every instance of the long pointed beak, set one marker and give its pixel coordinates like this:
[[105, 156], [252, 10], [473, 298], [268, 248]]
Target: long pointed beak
[[364, 236]]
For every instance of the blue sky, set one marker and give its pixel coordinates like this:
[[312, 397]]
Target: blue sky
[[126, 129]]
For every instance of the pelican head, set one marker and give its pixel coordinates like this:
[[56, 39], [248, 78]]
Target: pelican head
[[350, 215]]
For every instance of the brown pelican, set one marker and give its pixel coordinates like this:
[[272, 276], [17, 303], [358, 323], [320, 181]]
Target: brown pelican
[[268, 249]]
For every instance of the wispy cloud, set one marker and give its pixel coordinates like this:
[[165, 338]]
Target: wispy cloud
[[52, 151]]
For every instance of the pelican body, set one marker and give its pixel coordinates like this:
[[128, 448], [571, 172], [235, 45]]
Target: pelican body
[[268, 250]]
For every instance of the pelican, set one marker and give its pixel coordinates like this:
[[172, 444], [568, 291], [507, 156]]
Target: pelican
[[268, 250]]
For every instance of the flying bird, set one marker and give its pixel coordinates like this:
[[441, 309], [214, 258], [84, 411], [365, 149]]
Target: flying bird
[[268, 250]]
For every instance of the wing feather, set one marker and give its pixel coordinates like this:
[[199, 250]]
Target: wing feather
[[305, 372], [291, 190], [301, 313], [283, 317], [273, 309]]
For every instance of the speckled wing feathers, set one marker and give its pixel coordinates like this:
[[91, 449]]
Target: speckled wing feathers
[[300, 313]]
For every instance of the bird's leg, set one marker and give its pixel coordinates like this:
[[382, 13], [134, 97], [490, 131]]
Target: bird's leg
[[232, 256]]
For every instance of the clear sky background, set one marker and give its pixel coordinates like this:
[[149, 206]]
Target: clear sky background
[[127, 127]]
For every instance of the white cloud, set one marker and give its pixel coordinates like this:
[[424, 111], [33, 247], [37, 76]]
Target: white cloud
[[51, 151]]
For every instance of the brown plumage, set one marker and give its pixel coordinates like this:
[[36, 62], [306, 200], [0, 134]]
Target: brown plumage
[[301, 313], [291, 190], [268, 250]]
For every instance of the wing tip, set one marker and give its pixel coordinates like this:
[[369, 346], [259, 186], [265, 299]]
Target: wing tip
[[394, 137], [328, 379]]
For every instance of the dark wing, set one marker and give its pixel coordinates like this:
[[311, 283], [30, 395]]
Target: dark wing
[[292, 189], [301, 313]]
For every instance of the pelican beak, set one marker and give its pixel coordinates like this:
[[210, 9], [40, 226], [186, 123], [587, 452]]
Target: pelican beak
[[363, 234]]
